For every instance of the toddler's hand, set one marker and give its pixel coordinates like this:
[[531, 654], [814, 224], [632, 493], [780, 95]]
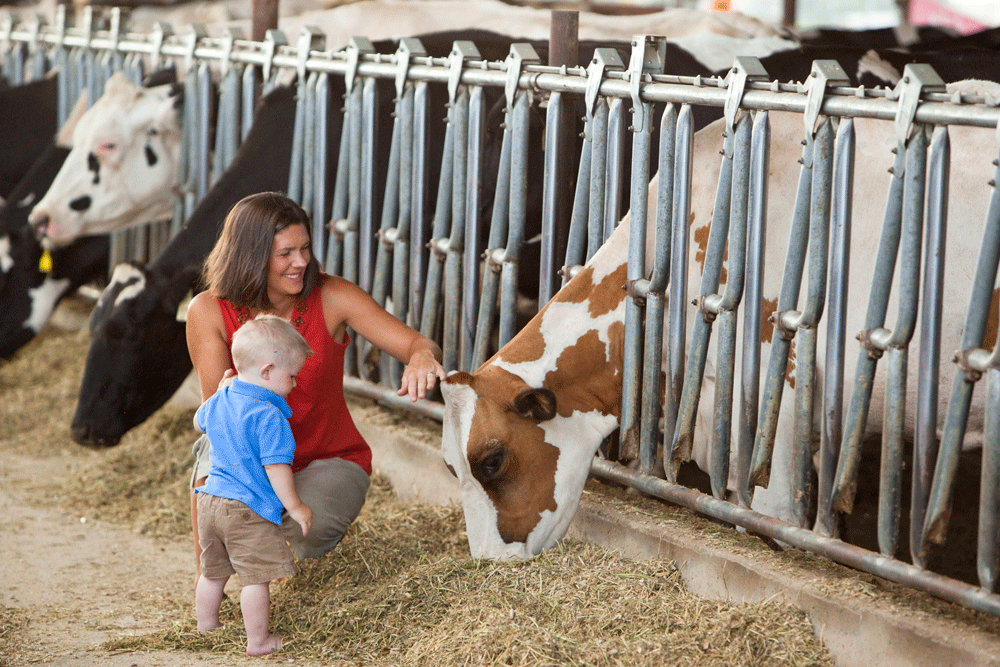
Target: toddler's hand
[[303, 515]]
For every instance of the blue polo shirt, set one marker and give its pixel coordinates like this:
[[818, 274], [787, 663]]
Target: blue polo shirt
[[248, 428]]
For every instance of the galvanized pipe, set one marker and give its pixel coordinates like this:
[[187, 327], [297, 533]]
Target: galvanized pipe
[[518, 197], [474, 242], [579, 225], [652, 355], [598, 125], [988, 554], [836, 331], [727, 316], [791, 280], [419, 229], [615, 165], [551, 195], [756, 235], [633, 343], [805, 365], [454, 332], [683, 439], [836, 550], [878, 303], [320, 168], [677, 307]]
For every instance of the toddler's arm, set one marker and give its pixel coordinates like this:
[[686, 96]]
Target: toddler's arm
[[283, 483]]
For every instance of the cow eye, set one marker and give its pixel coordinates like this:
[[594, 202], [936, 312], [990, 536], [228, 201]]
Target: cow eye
[[492, 466]]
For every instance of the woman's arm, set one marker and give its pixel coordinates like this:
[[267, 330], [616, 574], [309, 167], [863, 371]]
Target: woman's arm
[[346, 304], [207, 344]]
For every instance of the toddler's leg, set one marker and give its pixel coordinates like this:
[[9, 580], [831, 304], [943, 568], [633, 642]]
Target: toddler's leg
[[207, 600], [255, 601]]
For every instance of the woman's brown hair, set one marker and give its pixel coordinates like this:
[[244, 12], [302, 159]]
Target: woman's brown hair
[[236, 269]]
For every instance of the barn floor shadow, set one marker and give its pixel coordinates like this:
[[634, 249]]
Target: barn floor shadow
[[957, 557]]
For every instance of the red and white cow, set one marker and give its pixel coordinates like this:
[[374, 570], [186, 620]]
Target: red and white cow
[[520, 432], [122, 168]]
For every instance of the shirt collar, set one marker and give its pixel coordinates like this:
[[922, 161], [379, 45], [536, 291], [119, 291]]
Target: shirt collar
[[261, 394]]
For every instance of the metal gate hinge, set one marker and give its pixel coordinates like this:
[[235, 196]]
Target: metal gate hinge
[[409, 48], [355, 49], [521, 54], [649, 53], [825, 74], [604, 60], [461, 50], [916, 80], [745, 68]]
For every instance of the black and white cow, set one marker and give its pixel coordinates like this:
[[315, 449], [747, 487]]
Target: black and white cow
[[122, 167], [29, 116], [138, 356]]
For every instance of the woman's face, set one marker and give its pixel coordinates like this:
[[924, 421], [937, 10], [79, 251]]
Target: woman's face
[[290, 253]]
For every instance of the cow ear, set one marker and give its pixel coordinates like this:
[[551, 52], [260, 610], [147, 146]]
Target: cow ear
[[537, 404]]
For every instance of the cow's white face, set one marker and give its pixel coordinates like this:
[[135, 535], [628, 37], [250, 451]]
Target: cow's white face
[[122, 168]]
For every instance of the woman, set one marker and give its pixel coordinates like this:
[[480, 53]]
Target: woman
[[262, 263]]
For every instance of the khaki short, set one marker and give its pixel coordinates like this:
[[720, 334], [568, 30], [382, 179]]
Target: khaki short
[[334, 489], [235, 539]]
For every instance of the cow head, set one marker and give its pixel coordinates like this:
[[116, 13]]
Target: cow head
[[122, 168], [122, 384], [520, 432]]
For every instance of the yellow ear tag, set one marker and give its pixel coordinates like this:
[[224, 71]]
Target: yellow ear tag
[[45, 262]]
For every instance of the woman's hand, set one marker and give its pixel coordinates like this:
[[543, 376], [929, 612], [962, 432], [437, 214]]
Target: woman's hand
[[420, 374], [227, 379]]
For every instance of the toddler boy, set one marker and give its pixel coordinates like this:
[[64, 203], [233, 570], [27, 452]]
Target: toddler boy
[[239, 507]]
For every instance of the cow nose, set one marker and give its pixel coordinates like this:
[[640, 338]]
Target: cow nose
[[80, 434], [40, 225]]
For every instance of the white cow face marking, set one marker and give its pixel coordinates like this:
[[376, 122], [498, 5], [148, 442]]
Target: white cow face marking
[[122, 168], [6, 259]]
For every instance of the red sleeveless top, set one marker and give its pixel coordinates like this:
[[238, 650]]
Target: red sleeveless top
[[322, 425]]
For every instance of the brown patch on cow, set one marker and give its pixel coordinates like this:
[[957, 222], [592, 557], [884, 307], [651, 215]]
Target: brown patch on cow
[[585, 378], [767, 308], [525, 484], [527, 345], [578, 289], [790, 367], [992, 322], [701, 236], [609, 294]]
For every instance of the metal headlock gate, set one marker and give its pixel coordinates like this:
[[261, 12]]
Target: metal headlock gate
[[427, 269]]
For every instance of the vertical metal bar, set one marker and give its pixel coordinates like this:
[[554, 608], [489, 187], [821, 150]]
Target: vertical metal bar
[[598, 173], [988, 554], [418, 213], [733, 295], [924, 450], [352, 242], [298, 141], [499, 222], [320, 167], [366, 224], [339, 223], [473, 235], [805, 365], [633, 346], [833, 377], [615, 165], [791, 281], [309, 142], [551, 194], [251, 80], [401, 249], [576, 242], [683, 438], [756, 235], [442, 218], [878, 302], [652, 356], [677, 308], [515, 227], [452, 334], [205, 102]]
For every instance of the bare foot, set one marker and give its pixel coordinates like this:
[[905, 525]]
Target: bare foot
[[208, 627], [269, 645]]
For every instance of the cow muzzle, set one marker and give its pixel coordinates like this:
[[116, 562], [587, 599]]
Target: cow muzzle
[[82, 436]]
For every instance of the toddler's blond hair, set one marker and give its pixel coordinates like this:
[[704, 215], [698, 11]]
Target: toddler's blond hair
[[268, 338]]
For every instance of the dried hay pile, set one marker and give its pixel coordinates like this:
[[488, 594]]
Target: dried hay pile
[[401, 588], [13, 625]]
